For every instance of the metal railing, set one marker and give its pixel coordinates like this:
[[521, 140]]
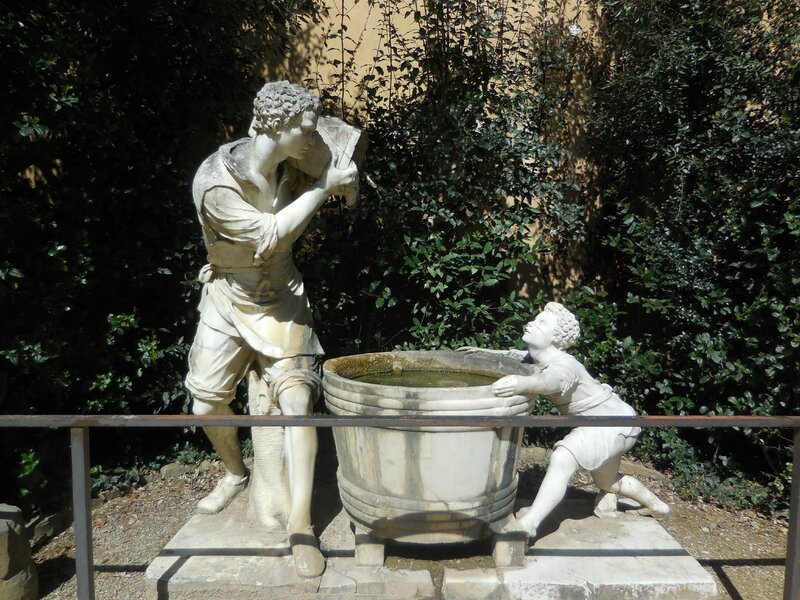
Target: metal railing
[[79, 426]]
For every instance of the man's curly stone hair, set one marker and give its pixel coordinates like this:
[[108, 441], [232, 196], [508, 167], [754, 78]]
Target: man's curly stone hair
[[567, 331], [279, 103]]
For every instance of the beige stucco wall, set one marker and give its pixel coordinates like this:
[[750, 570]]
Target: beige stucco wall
[[351, 39]]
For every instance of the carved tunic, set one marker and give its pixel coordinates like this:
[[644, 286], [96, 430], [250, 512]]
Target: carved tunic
[[251, 290], [592, 446]]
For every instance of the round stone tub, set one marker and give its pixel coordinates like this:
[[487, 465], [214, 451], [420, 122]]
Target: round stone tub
[[432, 484]]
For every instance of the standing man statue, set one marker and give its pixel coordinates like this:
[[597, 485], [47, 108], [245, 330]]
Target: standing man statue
[[253, 203]]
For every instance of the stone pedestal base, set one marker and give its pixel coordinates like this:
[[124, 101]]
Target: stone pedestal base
[[230, 556], [577, 557], [591, 559]]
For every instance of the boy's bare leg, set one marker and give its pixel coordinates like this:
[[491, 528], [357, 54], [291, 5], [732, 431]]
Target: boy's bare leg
[[561, 468], [609, 479]]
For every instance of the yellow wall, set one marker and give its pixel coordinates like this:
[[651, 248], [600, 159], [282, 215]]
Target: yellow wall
[[345, 44], [351, 39]]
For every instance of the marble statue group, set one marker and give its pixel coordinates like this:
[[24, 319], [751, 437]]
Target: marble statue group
[[254, 197]]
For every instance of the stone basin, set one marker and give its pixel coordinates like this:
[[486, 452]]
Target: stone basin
[[432, 484]]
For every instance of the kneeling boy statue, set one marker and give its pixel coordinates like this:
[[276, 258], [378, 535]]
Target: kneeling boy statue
[[567, 384]]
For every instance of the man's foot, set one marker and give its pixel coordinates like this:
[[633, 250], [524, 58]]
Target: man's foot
[[308, 560], [226, 490]]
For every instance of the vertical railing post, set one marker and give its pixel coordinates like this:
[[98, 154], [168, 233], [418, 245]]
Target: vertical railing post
[[82, 512], [791, 586]]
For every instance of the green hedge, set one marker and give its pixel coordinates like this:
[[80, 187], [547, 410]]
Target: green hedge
[[695, 136], [104, 116], [688, 294]]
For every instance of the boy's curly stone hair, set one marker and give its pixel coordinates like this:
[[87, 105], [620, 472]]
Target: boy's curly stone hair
[[279, 103], [567, 331]]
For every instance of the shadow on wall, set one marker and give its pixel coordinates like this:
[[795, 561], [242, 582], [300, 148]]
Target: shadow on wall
[[295, 60], [332, 53], [346, 43]]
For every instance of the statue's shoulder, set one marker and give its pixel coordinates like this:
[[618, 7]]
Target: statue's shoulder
[[565, 362], [567, 369], [219, 169]]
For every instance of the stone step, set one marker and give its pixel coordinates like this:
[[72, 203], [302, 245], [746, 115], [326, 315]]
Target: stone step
[[578, 556]]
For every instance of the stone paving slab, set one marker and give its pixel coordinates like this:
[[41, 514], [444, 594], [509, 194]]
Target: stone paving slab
[[228, 556], [578, 557], [629, 557]]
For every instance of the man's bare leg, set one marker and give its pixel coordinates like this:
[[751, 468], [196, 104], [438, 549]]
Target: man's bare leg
[[301, 454], [226, 442]]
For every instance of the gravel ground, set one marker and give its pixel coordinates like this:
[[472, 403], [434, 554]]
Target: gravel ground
[[742, 550], [128, 532]]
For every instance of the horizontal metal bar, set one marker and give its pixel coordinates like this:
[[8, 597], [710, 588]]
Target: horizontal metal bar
[[705, 422], [792, 575]]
